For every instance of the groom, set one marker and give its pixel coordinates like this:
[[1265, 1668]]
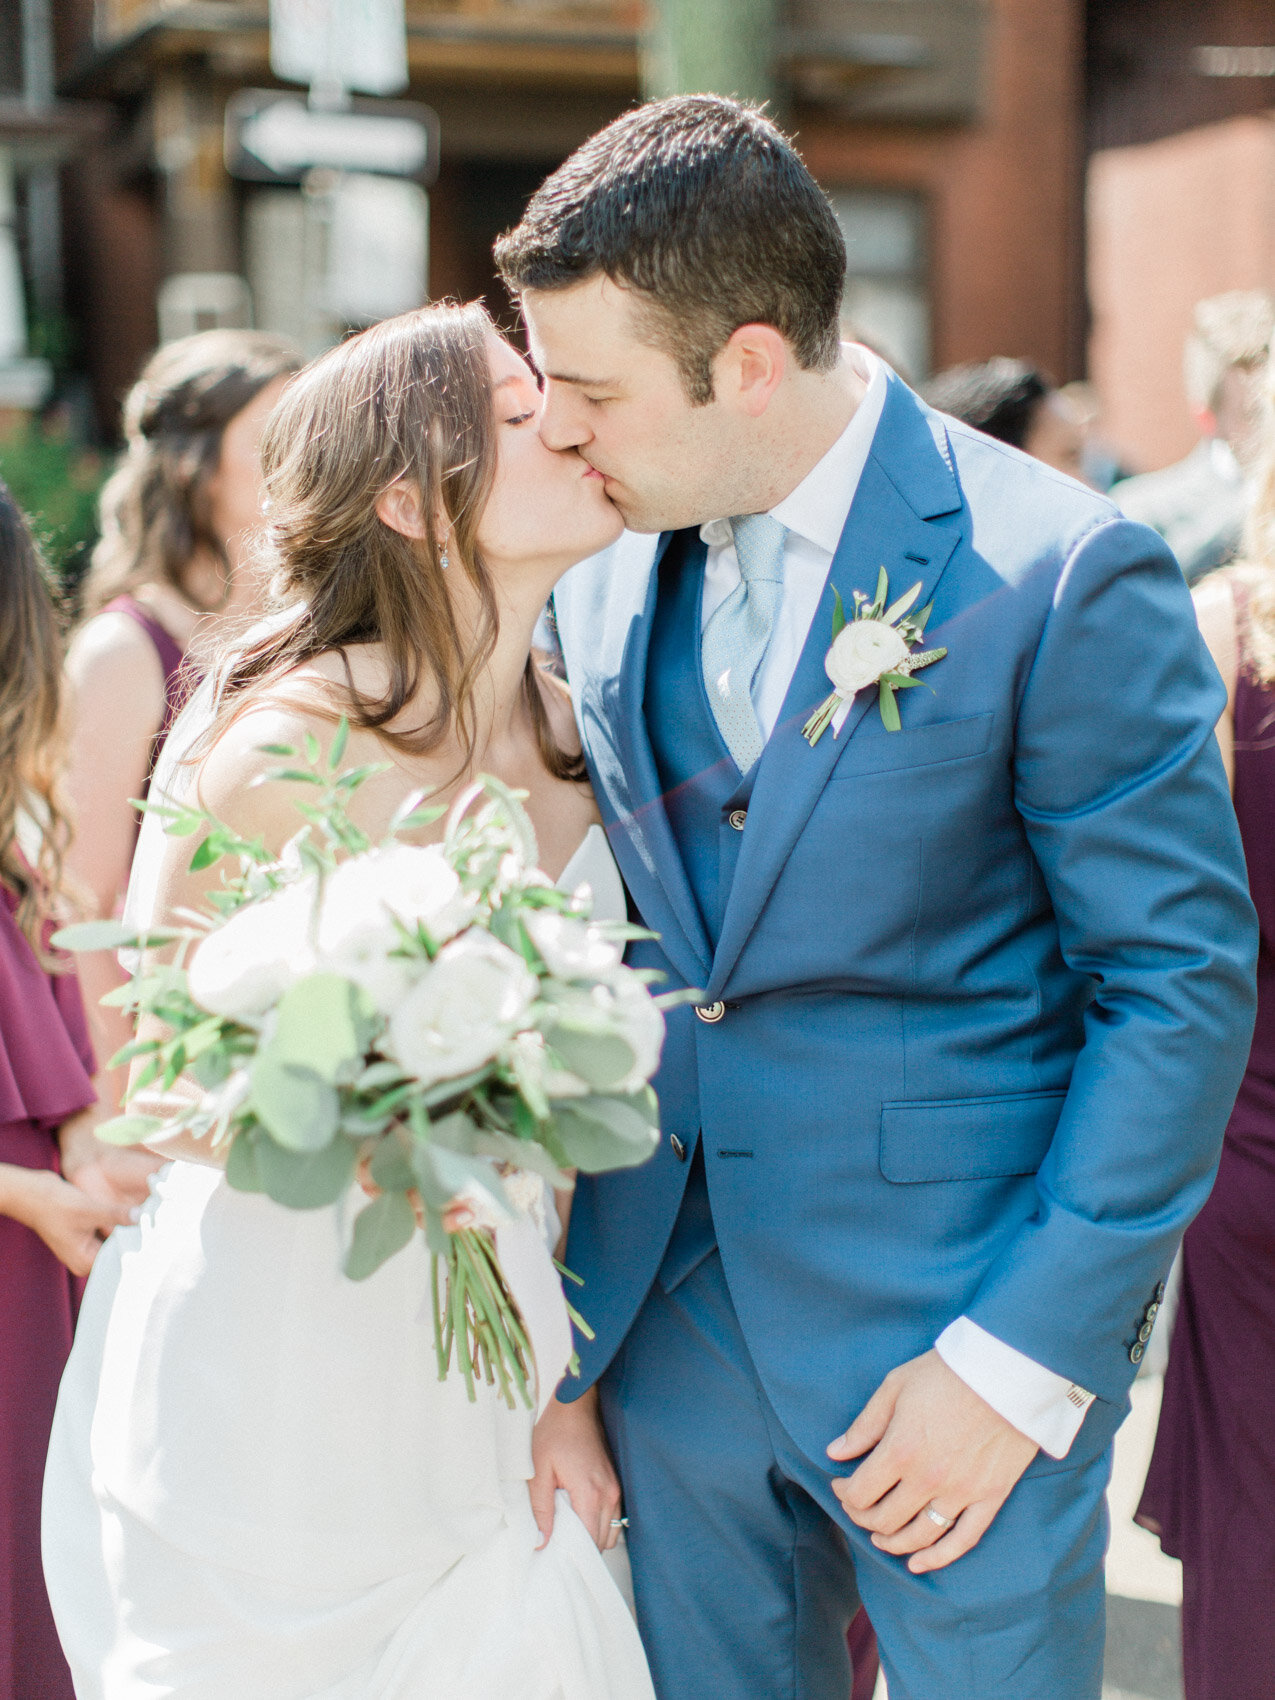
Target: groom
[[976, 985]]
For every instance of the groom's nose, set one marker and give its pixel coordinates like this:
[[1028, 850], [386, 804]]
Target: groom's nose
[[562, 418]]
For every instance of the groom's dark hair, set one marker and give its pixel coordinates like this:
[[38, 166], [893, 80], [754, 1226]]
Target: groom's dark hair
[[703, 207]]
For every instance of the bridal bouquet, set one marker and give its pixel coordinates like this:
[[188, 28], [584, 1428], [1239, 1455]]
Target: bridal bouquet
[[437, 1019]]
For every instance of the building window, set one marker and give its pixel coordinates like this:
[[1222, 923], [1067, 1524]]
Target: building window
[[887, 294]]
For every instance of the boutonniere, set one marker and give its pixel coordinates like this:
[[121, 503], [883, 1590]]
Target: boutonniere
[[875, 647]]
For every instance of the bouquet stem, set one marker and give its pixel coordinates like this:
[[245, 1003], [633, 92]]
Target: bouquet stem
[[476, 1318]]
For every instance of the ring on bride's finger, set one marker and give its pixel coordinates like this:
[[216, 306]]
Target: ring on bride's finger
[[619, 1522], [938, 1518]]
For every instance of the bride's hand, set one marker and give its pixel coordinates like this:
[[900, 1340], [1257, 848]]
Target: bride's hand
[[569, 1451]]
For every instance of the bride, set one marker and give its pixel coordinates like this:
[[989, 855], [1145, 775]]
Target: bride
[[258, 1489]]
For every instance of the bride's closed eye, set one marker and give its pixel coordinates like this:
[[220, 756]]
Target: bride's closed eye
[[521, 418]]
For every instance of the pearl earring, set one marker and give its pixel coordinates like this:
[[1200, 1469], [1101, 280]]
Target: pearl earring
[[444, 560]]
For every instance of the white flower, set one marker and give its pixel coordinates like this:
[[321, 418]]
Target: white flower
[[360, 902], [572, 949], [861, 651], [243, 968], [469, 1003]]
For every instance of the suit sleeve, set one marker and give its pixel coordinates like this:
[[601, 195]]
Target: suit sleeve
[[1120, 785]]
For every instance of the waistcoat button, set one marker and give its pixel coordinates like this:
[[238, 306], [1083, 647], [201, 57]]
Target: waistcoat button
[[710, 1012], [679, 1150], [737, 817]]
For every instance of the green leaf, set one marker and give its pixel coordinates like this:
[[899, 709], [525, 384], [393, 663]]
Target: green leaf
[[211, 1067], [306, 1180], [322, 1023], [838, 614], [242, 1171], [298, 1107], [385, 1226], [391, 1166], [312, 751], [294, 775], [896, 610], [520, 1154], [889, 708], [135, 1048], [900, 681], [592, 1050], [920, 620], [339, 742], [599, 1133], [883, 590], [112, 935], [284, 750], [356, 776], [128, 1130]]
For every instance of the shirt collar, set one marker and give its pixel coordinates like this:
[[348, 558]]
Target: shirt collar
[[818, 508]]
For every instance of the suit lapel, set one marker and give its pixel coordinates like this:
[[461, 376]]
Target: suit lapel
[[641, 836], [906, 483]]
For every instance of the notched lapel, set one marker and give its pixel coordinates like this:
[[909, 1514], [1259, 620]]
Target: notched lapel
[[888, 526], [640, 833]]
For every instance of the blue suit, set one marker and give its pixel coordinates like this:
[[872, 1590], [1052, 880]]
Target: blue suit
[[988, 989]]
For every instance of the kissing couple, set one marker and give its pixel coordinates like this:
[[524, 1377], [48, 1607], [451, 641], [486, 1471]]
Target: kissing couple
[[972, 956]]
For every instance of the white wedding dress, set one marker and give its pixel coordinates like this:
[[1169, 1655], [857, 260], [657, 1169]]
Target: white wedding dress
[[258, 1488]]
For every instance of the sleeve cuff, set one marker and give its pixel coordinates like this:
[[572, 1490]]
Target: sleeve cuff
[[1044, 1406]]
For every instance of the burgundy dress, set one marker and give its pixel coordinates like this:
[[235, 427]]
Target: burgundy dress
[[45, 1069], [1210, 1491]]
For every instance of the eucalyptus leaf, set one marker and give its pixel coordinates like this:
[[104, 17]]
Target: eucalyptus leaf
[[306, 1180], [242, 1171], [322, 1024], [597, 1054], [128, 1130], [339, 741], [838, 613], [889, 708], [296, 1106], [391, 1167], [383, 1227], [600, 1133]]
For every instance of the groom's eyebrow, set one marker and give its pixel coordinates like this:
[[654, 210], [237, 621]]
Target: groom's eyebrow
[[584, 383]]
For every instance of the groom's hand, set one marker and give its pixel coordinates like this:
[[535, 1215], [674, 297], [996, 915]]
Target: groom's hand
[[569, 1450], [932, 1443]]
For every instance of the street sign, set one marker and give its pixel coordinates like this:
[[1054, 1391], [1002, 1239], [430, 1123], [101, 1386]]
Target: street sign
[[340, 44], [273, 137]]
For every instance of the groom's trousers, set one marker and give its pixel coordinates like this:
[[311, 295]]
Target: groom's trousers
[[745, 1567]]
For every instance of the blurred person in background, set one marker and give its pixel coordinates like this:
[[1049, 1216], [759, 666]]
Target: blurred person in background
[[1019, 405], [169, 577], [50, 1229], [1198, 504], [1210, 1489]]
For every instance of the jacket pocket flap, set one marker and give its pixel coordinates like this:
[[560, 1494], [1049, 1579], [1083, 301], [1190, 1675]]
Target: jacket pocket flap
[[915, 746], [968, 1139]]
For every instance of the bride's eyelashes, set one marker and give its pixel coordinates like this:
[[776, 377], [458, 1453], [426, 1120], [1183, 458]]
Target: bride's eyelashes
[[521, 418]]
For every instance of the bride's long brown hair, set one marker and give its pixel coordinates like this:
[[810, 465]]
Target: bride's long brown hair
[[409, 399], [30, 725]]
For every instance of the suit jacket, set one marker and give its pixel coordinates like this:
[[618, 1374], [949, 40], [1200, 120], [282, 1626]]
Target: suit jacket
[[988, 980]]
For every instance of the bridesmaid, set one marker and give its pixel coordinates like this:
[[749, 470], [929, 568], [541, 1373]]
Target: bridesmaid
[[1210, 1490], [50, 1230], [169, 577]]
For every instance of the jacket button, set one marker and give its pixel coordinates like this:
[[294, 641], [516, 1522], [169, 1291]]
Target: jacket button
[[710, 1012], [1152, 1311], [1159, 1292], [1136, 1352], [1144, 1333], [737, 817], [679, 1150]]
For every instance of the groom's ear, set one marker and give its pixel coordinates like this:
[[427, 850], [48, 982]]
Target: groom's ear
[[750, 368], [400, 508]]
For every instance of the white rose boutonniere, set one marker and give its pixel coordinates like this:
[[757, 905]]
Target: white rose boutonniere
[[875, 647]]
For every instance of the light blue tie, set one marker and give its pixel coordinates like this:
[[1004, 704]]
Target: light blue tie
[[738, 632]]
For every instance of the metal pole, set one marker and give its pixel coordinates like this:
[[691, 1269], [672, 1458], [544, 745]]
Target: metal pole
[[710, 46]]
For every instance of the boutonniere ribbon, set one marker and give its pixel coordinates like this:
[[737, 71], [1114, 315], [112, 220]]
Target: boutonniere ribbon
[[876, 646]]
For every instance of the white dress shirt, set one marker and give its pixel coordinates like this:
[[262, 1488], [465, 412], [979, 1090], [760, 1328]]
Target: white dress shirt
[[1045, 1406]]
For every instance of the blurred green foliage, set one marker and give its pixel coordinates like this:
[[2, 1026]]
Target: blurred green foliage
[[55, 481]]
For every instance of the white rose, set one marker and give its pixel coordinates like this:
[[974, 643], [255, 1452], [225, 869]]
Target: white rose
[[469, 1003], [861, 652], [572, 949], [360, 903], [243, 968]]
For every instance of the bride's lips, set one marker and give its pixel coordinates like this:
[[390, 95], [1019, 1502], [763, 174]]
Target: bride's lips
[[592, 472]]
